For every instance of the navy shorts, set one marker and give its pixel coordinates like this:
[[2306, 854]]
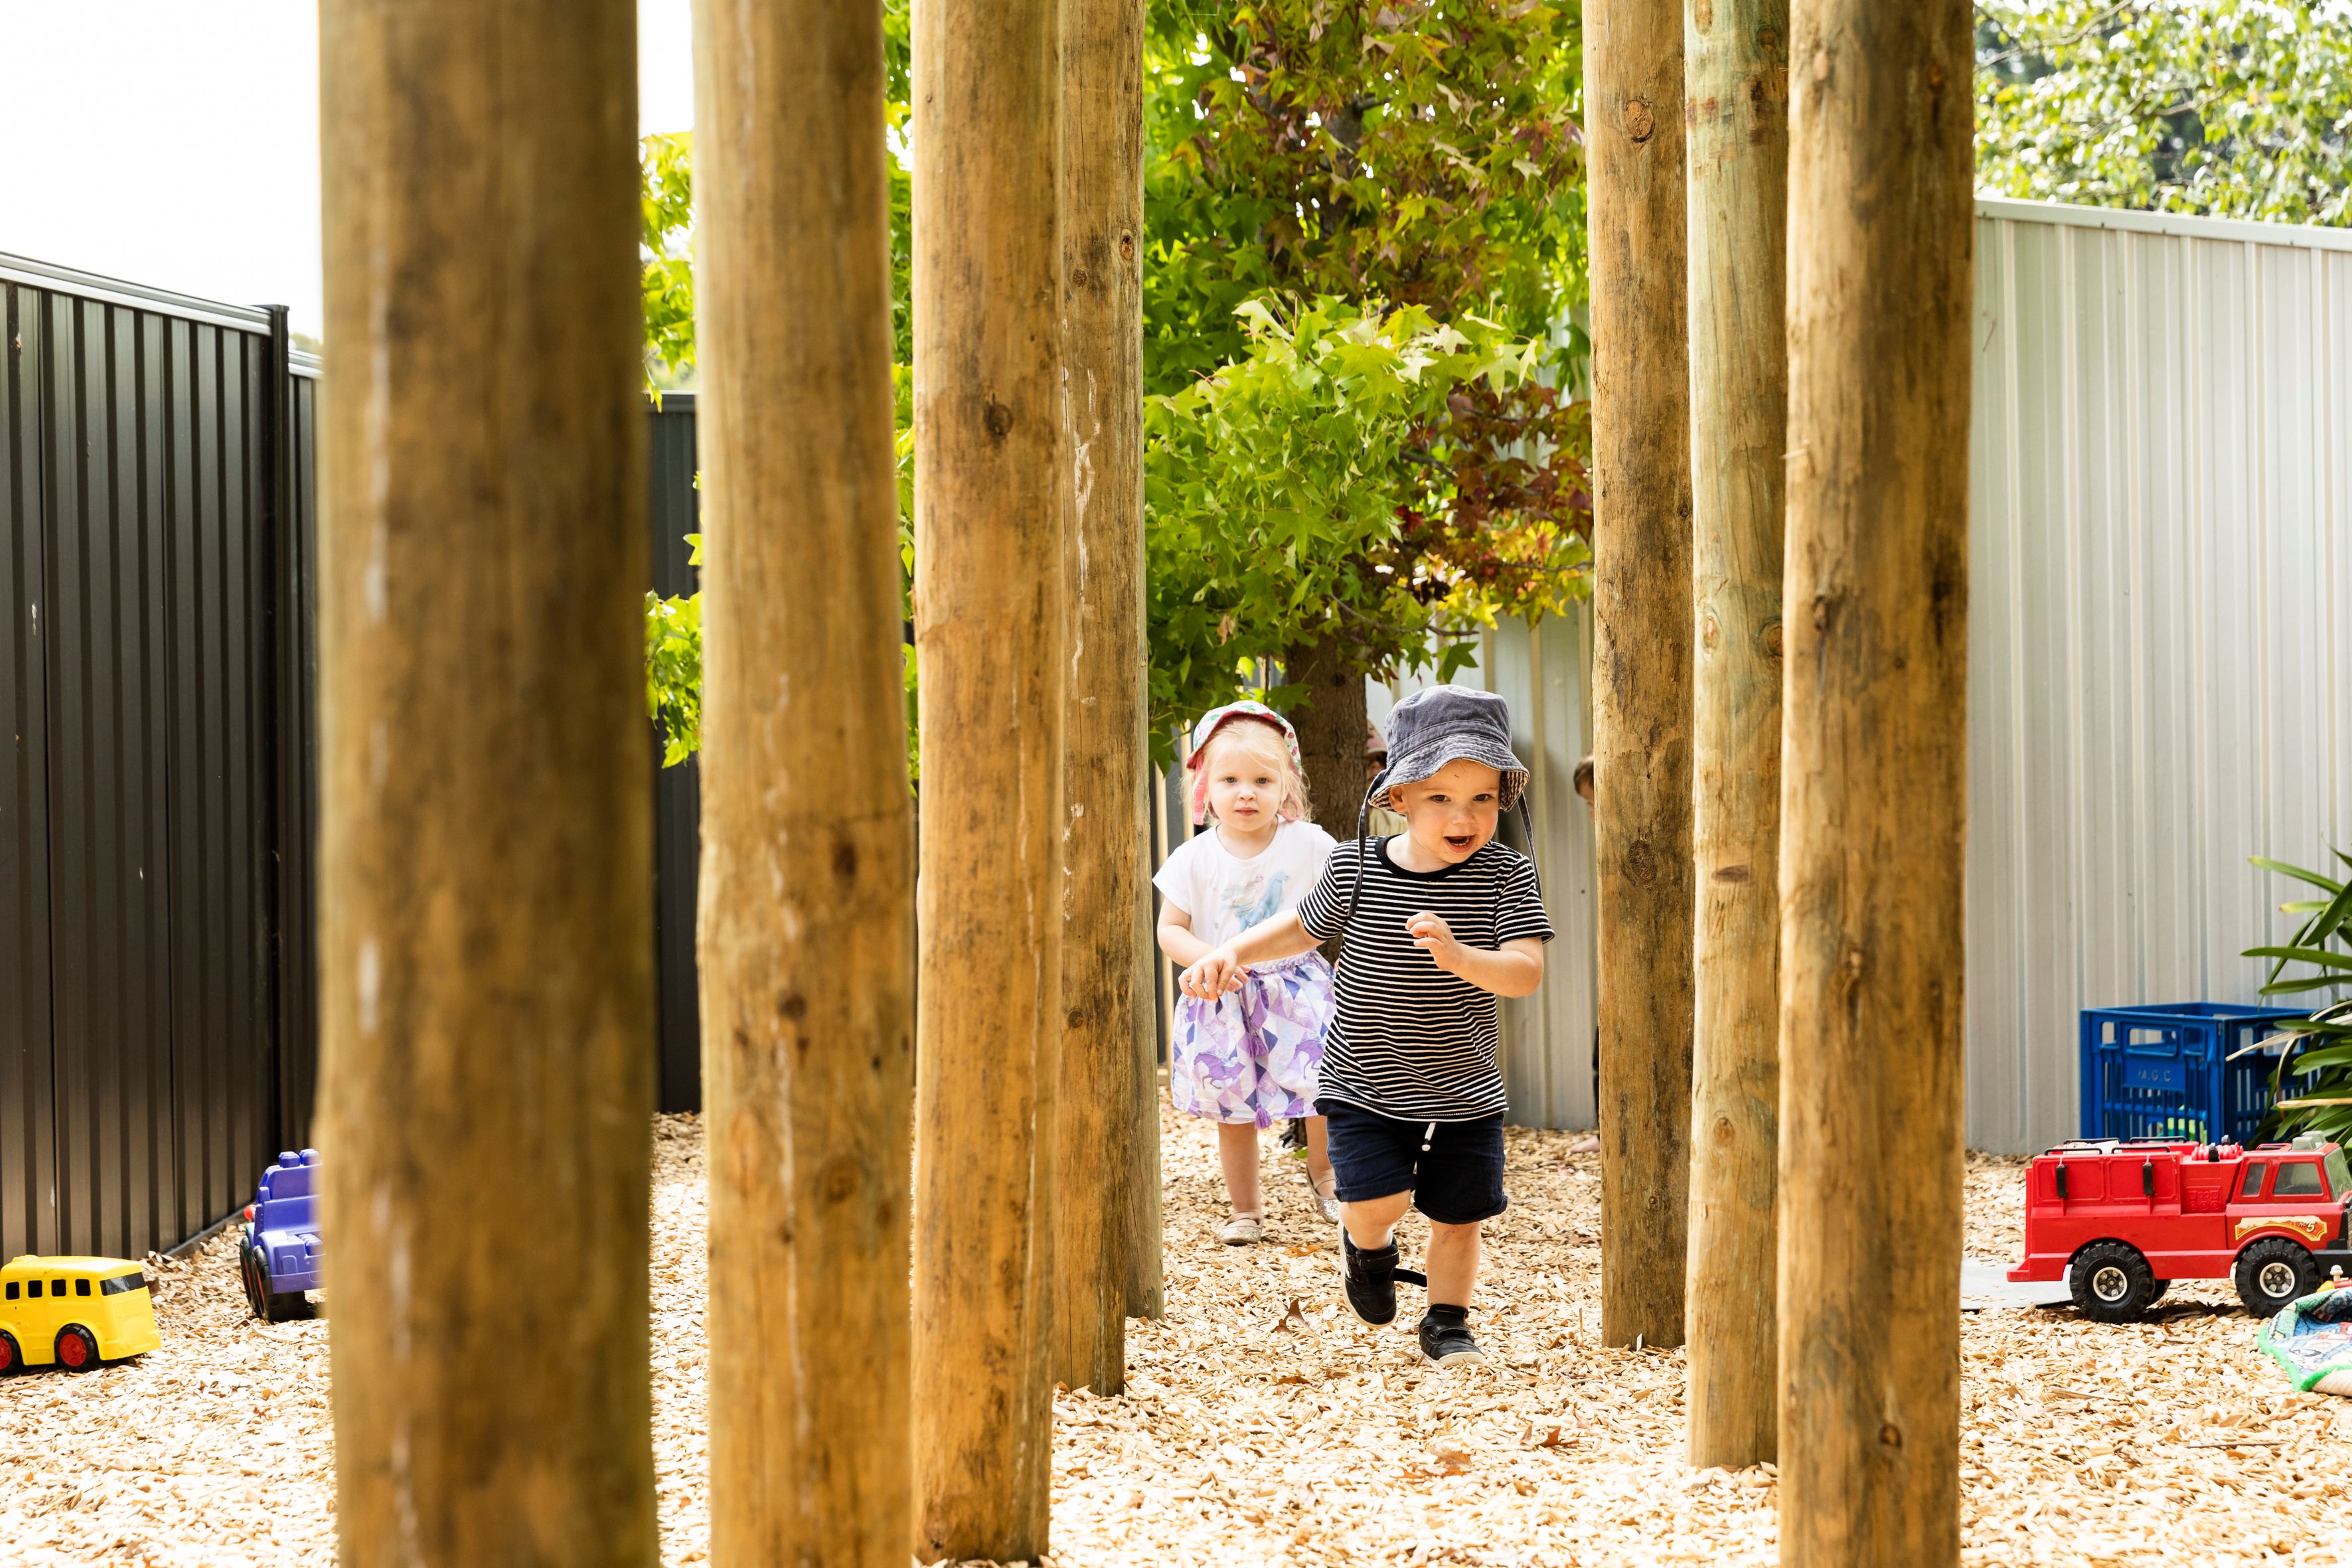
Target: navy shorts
[[1459, 1181]]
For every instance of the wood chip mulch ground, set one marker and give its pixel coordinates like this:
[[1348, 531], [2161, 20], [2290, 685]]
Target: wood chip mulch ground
[[1263, 1424]]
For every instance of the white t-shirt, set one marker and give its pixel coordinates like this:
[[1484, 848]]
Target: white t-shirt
[[1226, 895]]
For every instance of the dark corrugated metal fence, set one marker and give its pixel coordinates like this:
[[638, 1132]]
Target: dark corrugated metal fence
[[674, 510], [156, 1008]]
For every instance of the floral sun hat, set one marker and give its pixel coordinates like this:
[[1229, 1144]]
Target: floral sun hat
[[1216, 719]]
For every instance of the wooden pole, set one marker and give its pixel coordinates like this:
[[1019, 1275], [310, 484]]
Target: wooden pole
[[991, 628], [807, 930], [1873, 776], [1737, 76], [1641, 659], [1096, 1224], [486, 952]]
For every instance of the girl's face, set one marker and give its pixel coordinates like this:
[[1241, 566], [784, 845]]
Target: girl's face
[[1245, 786], [1451, 812]]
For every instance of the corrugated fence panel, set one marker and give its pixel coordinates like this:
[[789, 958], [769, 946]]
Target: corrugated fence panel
[[27, 1102], [153, 1060], [297, 764], [2334, 644], [1994, 1079], [1544, 672], [107, 642], [2156, 684], [674, 510]]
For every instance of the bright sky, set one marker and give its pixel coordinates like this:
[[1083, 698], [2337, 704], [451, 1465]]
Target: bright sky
[[175, 143]]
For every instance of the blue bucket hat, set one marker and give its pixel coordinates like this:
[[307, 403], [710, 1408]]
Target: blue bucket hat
[[1435, 726], [1441, 724]]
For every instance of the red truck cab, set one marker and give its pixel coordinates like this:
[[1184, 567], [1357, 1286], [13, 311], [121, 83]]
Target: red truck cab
[[2120, 1220]]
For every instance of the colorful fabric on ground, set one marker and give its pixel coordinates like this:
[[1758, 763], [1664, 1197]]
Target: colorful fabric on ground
[[2311, 1340], [1255, 1054]]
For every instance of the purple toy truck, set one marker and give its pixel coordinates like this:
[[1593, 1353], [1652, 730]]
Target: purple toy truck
[[278, 1251]]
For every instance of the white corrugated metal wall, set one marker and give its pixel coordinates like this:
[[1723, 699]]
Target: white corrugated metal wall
[[2160, 645], [2160, 494]]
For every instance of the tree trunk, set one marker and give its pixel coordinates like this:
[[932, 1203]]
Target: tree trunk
[[1095, 1224], [486, 946], [1873, 810], [991, 632], [806, 923], [1641, 659], [1332, 729], [1738, 77]]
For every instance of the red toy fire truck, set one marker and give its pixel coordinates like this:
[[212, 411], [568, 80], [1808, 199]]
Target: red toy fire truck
[[2129, 1217]]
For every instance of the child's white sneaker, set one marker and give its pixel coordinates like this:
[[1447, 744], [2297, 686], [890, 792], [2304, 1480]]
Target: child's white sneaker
[[1242, 1231]]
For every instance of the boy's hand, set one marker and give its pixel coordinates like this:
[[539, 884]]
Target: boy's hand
[[1434, 937], [1212, 977]]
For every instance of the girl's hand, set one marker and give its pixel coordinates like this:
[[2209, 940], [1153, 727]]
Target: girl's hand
[[1434, 937], [1212, 977]]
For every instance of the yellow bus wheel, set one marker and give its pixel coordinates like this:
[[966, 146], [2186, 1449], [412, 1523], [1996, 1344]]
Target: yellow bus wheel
[[77, 1352], [11, 1358]]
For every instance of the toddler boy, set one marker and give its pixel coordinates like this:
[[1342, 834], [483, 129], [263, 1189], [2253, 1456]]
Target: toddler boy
[[1438, 922]]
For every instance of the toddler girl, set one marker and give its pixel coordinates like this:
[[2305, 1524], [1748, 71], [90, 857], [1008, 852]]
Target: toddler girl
[[1250, 1057]]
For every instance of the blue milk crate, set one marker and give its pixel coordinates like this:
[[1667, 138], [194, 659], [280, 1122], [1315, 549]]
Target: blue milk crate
[[2167, 1071]]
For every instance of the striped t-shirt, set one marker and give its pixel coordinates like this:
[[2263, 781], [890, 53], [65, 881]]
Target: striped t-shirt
[[1411, 1040]]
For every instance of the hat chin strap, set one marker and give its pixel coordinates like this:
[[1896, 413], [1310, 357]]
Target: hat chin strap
[[1363, 820]]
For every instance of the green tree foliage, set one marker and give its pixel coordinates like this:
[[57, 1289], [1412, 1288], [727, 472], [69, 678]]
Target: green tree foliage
[[1416, 153], [666, 251], [1311, 478], [2231, 108], [1311, 163], [673, 666], [665, 254], [1420, 151]]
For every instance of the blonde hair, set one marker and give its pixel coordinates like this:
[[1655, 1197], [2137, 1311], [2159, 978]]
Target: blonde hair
[[1262, 743]]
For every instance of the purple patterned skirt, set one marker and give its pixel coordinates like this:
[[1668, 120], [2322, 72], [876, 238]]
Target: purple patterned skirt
[[1254, 1053]]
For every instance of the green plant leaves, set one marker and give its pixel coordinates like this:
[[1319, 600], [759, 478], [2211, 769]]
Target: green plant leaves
[[2298, 873], [2322, 1056], [666, 251], [674, 672]]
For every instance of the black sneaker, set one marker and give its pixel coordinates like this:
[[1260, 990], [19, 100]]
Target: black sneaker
[[1446, 1337], [1370, 1278]]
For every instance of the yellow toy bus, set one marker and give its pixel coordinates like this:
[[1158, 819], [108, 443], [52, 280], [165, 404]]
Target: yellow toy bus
[[74, 1312]]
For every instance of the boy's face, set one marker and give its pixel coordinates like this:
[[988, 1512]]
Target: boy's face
[[1453, 812]]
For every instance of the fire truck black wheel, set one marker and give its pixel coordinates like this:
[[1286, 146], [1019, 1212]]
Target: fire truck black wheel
[[2161, 1287], [2111, 1282], [2271, 1272]]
